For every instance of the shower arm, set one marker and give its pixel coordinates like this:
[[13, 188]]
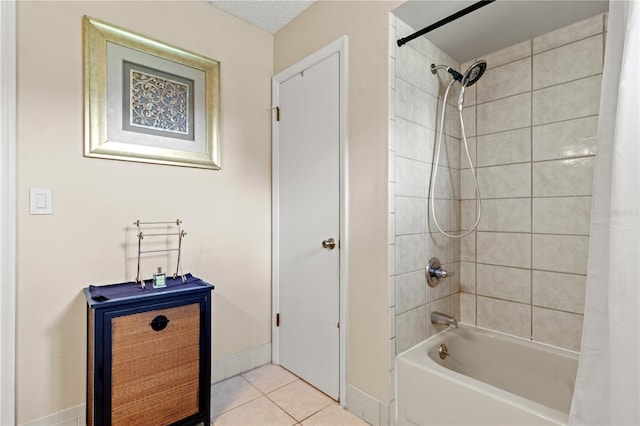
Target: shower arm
[[456, 75], [435, 68]]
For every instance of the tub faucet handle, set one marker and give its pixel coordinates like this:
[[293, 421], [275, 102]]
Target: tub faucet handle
[[439, 273], [435, 272]]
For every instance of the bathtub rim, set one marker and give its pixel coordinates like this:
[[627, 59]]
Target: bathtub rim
[[532, 407], [485, 330]]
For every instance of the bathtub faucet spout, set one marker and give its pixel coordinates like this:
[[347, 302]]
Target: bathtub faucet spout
[[440, 318]]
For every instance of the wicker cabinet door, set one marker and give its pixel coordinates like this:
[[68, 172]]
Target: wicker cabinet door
[[155, 374]]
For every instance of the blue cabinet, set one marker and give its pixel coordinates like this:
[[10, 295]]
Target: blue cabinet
[[149, 353]]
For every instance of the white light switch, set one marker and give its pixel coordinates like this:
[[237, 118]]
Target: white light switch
[[41, 201]]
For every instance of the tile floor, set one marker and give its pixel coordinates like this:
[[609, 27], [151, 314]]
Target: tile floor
[[272, 396]]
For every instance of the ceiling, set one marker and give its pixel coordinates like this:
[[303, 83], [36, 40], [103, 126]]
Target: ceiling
[[270, 15], [498, 25]]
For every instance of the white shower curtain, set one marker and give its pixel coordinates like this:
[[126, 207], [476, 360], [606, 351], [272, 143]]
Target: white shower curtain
[[607, 385]]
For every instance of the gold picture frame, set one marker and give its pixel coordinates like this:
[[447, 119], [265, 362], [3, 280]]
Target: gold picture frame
[[147, 101]]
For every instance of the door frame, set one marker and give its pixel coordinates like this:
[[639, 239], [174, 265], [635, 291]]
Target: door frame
[[339, 46], [7, 211]]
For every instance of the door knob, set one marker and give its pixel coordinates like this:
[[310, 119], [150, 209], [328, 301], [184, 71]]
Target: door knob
[[330, 244]]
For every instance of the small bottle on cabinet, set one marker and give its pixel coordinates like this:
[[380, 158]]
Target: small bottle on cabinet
[[159, 279]]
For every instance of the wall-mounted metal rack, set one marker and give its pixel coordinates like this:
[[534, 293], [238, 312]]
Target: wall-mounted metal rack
[[180, 234]]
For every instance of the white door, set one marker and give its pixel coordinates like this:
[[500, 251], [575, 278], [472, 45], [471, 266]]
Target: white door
[[308, 188]]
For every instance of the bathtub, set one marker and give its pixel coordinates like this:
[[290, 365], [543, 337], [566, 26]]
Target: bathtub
[[487, 378]]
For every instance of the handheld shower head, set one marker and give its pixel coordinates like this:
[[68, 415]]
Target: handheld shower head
[[469, 78], [473, 74]]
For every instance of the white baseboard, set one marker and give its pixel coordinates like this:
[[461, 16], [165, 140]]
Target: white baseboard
[[74, 416], [222, 368], [240, 362], [366, 407]]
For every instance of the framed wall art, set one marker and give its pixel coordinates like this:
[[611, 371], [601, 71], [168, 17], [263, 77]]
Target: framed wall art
[[147, 101]]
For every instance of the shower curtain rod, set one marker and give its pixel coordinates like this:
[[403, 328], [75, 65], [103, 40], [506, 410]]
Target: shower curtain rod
[[444, 21]]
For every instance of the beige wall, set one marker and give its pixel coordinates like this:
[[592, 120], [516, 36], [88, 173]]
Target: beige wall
[[89, 238], [366, 25]]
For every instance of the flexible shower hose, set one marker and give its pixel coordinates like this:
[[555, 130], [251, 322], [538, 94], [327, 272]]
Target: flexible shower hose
[[437, 162]]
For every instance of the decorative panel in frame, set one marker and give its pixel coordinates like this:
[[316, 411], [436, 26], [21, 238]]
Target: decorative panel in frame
[[147, 101]]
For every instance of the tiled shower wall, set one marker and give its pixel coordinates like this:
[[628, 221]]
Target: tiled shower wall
[[411, 161], [531, 123], [524, 271], [415, 105]]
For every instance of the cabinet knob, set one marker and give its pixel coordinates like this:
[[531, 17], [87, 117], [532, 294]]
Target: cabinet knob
[[159, 323]]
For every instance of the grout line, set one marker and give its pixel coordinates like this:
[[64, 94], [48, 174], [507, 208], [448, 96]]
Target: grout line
[[534, 125], [557, 234], [577, 157], [504, 300], [475, 209], [577, 274], [604, 36], [525, 303], [532, 233], [558, 310], [404, 157], [416, 234], [526, 269], [586, 77], [525, 198], [573, 274], [538, 89], [520, 58], [240, 405], [419, 197], [570, 42], [316, 412], [266, 394], [502, 98], [291, 415], [531, 200], [412, 84], [532, 53]]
